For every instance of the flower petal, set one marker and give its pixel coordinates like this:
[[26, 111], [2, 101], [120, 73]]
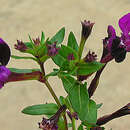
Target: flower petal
[[111, 32], [4, 74], [124, 24], [4, 52]]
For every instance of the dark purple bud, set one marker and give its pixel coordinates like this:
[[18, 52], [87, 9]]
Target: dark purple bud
[[70, 57], [20, 46], [4, 74], [36, 41], [75, 115], [95, 81], [51, 123], [121, 112], [86, 28], [52, 49], [90, 57], [4, 53]]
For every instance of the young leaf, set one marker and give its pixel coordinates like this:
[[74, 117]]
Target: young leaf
[[91, 116], [88, 68], [62, 56], [31, 42], [80, 127], [72, 42], [28, 45], [23, 70], [68, 82], [41, 109], [99, 105], [59, 36], [22, 57], [42, 38], [54, 73]]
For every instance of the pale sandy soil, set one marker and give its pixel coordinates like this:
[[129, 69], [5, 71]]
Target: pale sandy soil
[[18, 18]]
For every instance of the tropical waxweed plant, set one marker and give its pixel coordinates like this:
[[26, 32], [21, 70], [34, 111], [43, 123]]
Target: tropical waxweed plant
[[73, 70]]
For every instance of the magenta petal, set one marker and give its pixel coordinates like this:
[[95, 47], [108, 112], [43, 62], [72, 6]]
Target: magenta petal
[[111, 32], [4, 74], [127, 43], [124, 24]]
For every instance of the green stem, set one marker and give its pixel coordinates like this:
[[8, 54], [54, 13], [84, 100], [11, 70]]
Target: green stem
[[81, 47], [73, 124], [53, 93]]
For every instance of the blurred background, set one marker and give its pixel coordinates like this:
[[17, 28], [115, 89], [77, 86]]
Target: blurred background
[[18, 18]]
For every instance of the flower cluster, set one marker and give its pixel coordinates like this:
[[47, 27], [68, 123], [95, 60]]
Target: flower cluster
[[115, 45]]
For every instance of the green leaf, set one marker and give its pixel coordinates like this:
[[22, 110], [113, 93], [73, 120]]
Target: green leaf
[[62, 57], [31, 42], [89, 125], [72, 41], [91, 116], [88, 68], [79, 99], [54, 73], [42, 38], [22, 57], [41, 109], [23, 70], [28, 45], [68, 82], [44, 58], [99, 105], [59, 36], [80, 127]]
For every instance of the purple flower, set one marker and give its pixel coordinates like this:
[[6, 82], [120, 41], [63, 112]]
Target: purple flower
[[4, 58], [124, 24], [52, 49], [51, 123], [20, 46], [115, 45], [90, 57], [4, 52], [37, 41], [86, 28], [4, 74]]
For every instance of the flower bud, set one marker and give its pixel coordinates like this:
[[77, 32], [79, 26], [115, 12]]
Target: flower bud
[[86, 28], [20, 46], [70, 57], [36, 41], [51, 123], [52, 49]]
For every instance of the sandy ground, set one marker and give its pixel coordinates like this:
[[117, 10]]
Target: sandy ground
[[18, 18]]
